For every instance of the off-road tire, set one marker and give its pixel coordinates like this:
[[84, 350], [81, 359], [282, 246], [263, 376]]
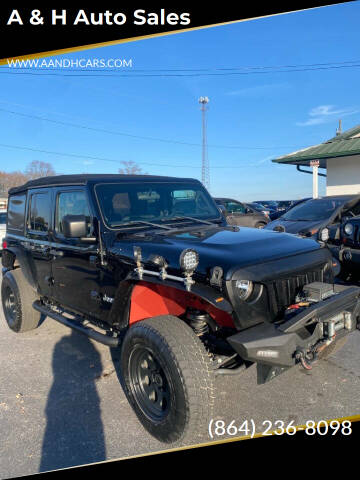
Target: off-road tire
[[188, 375], [16, 289]]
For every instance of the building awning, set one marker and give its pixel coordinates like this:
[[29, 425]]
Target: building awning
[[344, 145]]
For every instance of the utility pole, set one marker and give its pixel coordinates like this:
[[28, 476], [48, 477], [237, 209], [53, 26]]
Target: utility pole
[[205, 167]]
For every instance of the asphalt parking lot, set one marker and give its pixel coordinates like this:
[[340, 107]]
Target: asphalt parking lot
[[61, 402]]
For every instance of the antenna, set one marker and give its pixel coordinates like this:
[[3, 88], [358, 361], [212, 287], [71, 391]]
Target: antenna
[[205, 167]]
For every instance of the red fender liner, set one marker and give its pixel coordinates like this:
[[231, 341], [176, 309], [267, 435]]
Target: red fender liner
[[149, 300]]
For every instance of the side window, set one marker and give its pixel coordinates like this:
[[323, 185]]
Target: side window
[[233, 207], [71, 203], [39, 212], [16, 212]]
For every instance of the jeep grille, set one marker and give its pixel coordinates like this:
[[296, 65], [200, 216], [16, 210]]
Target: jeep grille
[[282, 292]]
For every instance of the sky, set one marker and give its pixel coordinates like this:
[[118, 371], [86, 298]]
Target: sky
[[264, 113]]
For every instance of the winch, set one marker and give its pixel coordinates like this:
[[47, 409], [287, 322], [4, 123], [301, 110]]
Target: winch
[[322, 314]]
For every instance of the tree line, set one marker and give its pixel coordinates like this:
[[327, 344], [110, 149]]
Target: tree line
[[38, 169], [34, 169]]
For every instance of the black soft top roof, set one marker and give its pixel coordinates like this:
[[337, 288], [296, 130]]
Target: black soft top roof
[[83, 179]]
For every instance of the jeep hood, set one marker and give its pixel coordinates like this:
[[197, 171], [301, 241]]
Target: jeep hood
[[218, 247]]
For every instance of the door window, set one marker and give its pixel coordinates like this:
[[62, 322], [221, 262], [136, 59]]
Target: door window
[[71, 203], [16, 220], [233, 207], [39, 212]]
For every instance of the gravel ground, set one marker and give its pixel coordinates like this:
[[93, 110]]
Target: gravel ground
[[61, 402]]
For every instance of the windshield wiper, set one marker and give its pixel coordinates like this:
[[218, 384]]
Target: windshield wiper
[[141, 223], [191, 218]]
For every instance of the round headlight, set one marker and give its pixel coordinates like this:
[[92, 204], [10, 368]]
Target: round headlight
[[324, 234], [348, 229], [189, 260], [244, 288]]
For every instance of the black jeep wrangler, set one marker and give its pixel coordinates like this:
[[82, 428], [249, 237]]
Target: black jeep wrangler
[[148, 264]]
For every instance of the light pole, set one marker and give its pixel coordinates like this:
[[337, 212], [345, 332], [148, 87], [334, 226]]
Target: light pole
[[205, 168]]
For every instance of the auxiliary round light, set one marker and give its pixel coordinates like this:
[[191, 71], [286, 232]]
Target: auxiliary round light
[[244, 288], [324, 234], [189, 260], [158, 260], [348, 229]]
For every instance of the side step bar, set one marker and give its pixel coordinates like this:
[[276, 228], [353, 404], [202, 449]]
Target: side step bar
[[89, 332]]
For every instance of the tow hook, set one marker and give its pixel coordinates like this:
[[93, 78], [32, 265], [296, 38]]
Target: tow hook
[[305, 358], [308, 358]]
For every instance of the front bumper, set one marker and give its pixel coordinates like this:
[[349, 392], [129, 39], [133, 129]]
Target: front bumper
[[276, 347]]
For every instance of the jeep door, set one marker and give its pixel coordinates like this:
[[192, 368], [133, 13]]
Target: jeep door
[[74, 267], [37, 238]]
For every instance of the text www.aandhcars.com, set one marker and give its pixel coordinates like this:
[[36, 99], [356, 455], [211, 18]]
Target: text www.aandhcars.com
[[71, 63]]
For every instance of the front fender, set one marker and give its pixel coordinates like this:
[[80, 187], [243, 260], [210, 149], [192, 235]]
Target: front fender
[[202, 291], [150, 299]]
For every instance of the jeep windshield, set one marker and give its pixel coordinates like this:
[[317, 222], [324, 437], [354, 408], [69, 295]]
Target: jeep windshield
[[149, 204], [313, 210]]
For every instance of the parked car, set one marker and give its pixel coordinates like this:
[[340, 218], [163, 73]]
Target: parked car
[[270, 204], [152, 265], [3, 216], [259, 208], [280, 213], [238, 213], [283, 205], [307, 218]]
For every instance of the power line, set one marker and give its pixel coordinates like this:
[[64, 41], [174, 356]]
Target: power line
[[90, 73], [113, 132], [91, 157], [208, 69]]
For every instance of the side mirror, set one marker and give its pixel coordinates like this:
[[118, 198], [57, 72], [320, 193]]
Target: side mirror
[[74, 226]]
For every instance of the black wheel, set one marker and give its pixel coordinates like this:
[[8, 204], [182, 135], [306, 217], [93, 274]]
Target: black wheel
[[168, 378], [260, 225], [17, 298]]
